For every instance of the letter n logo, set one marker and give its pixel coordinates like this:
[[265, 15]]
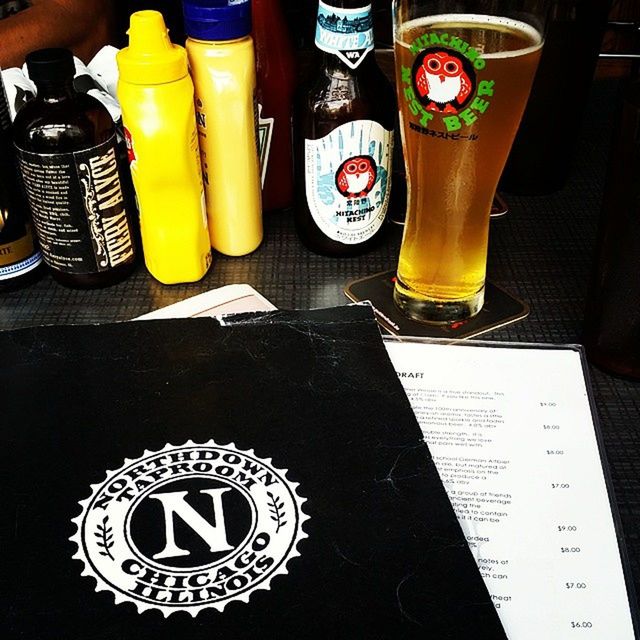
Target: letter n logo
[[174, 504]]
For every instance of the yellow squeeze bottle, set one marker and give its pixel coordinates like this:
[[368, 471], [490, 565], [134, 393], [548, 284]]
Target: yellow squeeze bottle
[[156, 96], [222, 62]]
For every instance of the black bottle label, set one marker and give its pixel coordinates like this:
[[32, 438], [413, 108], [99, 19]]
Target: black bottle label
[[348, 180], [78, 209]]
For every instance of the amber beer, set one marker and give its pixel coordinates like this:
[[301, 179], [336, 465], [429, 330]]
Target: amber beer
[[463, 82]]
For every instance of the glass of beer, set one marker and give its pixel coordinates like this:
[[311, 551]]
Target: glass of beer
[[463, 72]]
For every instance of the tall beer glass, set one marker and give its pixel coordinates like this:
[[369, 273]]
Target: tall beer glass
[[464, 71]]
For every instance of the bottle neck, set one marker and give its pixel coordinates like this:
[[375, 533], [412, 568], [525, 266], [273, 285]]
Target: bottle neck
[[333, 65], [55, 91], [344, 33], [221, 43]]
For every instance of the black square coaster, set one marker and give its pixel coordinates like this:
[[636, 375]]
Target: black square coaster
[[500, 309]]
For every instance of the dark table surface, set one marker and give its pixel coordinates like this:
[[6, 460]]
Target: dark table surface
[[542, 252]]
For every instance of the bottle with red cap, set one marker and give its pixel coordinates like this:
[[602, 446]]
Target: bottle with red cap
[[275, 67]]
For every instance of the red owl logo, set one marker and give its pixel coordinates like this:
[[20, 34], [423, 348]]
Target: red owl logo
[[356, 176], [444, 80]]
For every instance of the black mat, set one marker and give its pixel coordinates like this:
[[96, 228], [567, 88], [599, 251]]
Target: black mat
[[193, 481]]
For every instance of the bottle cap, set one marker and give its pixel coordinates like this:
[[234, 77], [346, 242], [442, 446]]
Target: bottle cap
[[150, 58], [217, 19], [51, 65]]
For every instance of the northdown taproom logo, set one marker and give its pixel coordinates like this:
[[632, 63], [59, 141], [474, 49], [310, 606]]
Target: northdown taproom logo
[[189, 528]]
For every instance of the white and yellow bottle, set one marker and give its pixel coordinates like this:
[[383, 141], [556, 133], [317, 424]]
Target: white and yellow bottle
[[156, 95], [222, 62]]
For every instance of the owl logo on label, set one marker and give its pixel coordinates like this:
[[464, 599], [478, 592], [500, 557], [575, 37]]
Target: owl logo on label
[[444, 80], [356, 176]]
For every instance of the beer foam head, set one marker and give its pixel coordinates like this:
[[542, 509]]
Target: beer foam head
[[460, 21]]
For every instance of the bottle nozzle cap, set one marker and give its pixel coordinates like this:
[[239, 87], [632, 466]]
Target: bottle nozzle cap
[[51, 65], [148, 34], [151, 57], [217, 20]]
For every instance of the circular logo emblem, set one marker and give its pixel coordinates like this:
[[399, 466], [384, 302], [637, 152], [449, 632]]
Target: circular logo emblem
[[189, 527], [356, 176], [443, 80]]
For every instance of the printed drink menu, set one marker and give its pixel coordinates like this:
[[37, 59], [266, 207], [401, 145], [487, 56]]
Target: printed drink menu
[[513, 436]]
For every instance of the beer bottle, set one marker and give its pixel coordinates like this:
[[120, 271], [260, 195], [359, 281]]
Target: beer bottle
[[344, 136], [66, 147], [612, 331], [20, 258]]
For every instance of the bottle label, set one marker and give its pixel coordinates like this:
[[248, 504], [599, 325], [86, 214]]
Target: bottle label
[[348, 180], [78, 209], [346, 33], [18, 256], [265, 135]]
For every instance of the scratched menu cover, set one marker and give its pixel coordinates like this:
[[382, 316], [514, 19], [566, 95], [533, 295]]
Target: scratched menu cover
[[178, 479]]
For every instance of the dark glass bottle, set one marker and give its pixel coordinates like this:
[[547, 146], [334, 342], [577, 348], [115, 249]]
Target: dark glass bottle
[[20, 258], [540, 159], [344, 136], [67, 152], [275, 75], [612, 329]]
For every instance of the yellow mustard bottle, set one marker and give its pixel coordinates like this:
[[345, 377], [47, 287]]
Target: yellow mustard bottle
[[156, 95], [222, 62]]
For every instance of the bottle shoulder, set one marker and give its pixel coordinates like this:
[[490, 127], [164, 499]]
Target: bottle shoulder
[[63, 109], [213, 49], [62, 126], [341, 95]]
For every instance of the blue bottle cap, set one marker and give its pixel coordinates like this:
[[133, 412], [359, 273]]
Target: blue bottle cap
[[217, 19]]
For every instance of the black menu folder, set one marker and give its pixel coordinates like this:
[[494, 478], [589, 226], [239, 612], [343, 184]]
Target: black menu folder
[[184, 480]]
